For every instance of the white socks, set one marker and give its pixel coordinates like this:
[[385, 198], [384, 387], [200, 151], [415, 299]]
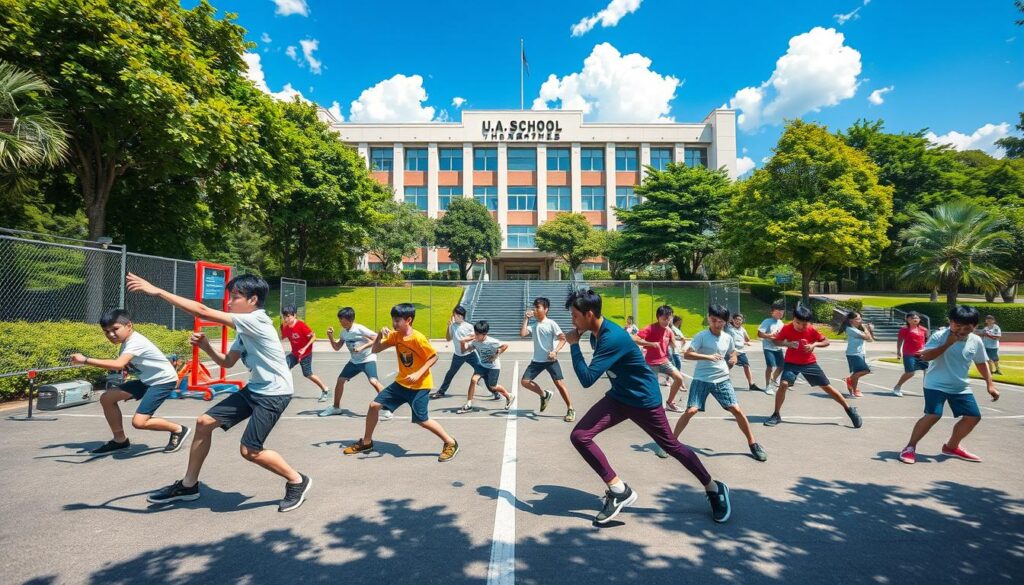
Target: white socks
[[618, 487]]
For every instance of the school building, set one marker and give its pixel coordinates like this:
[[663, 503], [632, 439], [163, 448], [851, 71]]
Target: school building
[[527, 166]]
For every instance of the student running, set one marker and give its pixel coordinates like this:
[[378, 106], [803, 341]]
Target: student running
[[545, 355], [359, 341], [655, 339], [773, 357], [488, 365], [990, 337], [458, 328], [909, 343], [675, 349], [742, 340], [301, 338], [857, 332]]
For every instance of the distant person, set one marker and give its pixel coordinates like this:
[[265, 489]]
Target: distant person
[[742, 340], [488, 365], [631, 327], [990, 336], [545, 333], [359, 341], [458, 328], [857, 332], [301, 338], [675, 349], [909, 342], [773, 356], [655, 339]]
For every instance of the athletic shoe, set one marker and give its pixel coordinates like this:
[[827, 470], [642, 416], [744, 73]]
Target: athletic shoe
[[614, 503], [756, 388], [897, 392], [721, 508], [998, 372], [438, 394], [961, 453], [570, 415], [495, 396], [545, 399], [770, 390], [508, 401], [773, 420], [660, 452], [174, 493], [672, 406], [329, 411], [449, 452], [467, 407], [358, 447], [758, 452], [855, 418], [177, 439], [908, 455], [294, 494], [849, 385], [386, 415], [857, 393], [323, 396], [111, 446]]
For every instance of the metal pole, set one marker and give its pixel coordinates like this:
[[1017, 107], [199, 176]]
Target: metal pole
[[174, 289], [124, 273], [522, 103]]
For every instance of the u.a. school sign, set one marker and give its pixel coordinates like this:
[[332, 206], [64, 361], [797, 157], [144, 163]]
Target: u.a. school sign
[[529, 130]]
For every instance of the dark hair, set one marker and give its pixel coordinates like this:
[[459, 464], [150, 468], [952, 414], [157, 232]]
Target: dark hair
[[718, 311], [740, 315], [584, 300], [347, 313], [802, 313], [987, 317], [250, 285], [542, 301], [664, 310], [911, 314], [403, 311], [288, 310], [629, 317], [115, 316], [847, 317], [779, 306], [482, 327], [460, 311], [677, 319], [964, 315]]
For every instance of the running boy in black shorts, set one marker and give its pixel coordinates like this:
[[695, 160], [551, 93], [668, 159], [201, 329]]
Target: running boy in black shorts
[[545, 355]]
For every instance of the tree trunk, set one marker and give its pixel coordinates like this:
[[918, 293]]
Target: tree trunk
[[464, 270], [1009, 293], [934, 295], [990, 296], [952, 292], [681, 265], [805, 286]]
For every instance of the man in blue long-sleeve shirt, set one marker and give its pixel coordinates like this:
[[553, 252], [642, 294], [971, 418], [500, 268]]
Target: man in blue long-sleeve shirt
[[634, 395]]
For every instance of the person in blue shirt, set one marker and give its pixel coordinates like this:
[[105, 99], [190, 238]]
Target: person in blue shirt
[[634, 395], [949, 353]]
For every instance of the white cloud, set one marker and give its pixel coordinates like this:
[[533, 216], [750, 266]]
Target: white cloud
[[817, 71], [292, 52], [458, 102], [612, 87], [744, 165], [308, 47], [1020, 85], [286, 7], [265, 38], [609, 16], [877, 97], [443, 116], [335, 111], [255, 74], [398, 99], [288, 93], [983, 138], [852, 15]]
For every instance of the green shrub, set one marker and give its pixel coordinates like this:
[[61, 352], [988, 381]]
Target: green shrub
[[48, 344], [597, 275], [852, 304], [1010, 317], [375, 278], [767, 293]]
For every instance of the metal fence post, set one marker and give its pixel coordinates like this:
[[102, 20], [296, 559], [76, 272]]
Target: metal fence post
[[174, 284], [124, 273]]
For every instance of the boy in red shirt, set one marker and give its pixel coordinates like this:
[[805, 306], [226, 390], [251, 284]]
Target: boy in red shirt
[[301, 337], [909, 343], [655, 339], [801, 339]]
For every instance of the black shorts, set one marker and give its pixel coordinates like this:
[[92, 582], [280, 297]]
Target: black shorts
[[490, 375], [306, 363], [536, 368], [262, 412], [813, 373]]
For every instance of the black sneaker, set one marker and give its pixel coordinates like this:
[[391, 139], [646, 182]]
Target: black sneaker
[[614, 503], [177, 439], [855, 418], [758, 452], [438, 394], [111, 446], [545, 399], [294, 494], [175, 492], [773, 420], [755, 388], [721, 508]]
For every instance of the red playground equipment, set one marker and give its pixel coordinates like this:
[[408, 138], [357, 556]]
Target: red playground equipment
[[210, 284]]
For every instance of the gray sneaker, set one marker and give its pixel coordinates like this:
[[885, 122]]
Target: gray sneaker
[[545, 399], [758, 452], [294, 494], [773, 420], [614, 503], [721, 507]]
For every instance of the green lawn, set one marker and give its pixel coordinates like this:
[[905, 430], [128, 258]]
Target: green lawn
[[890, 300], [1012, 367], [688, 302]]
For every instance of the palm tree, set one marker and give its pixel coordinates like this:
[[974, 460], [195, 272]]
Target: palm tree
[[955, 245], [30, 136]]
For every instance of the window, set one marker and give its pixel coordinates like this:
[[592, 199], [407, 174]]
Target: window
[[485, 159], [522, 159], [417, 196], [592, 159], [660, 157], [522, 199], [696, 156], [558, 159], [450, 159], [488, 196], [559, 199], [593, 199], [445, 196], [382, 159], [416, 159], [625, 197], [625, 159], [522, 236]]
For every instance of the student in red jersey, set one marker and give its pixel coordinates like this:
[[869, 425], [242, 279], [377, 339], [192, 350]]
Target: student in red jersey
[[301, 337], [909, 343], [801, 339], [656, 339]]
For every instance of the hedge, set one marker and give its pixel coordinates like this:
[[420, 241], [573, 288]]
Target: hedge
[[768, 293], [25, 345], [1010, 317], [597, 274]]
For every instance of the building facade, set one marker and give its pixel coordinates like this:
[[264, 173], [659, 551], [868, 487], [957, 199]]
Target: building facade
[[527, 167]]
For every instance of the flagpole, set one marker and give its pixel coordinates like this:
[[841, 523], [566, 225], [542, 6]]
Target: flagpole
[[521, 103]]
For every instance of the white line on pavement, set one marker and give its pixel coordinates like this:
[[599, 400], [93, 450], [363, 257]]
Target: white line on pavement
[[502, 568]]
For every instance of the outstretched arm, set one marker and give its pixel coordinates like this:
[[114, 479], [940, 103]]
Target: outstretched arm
[[139, 284]]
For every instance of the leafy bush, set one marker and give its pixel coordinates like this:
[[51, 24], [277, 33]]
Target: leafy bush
[[375, 278], [767, 293], [48, 344], [1010, 317], [852, 305], [597, 275]]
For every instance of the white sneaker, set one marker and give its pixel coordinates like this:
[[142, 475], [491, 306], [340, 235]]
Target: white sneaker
[[897, 392], [386, 415], [770, 390], [323, 396], [330, 411]]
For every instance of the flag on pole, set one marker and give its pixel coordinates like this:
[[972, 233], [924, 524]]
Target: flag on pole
[[526, 64]]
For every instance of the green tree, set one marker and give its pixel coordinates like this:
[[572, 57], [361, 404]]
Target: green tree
[[400, 231], [610, 244], [30, 135], [817, 203], [570, 237], [955, 245], [469, 232], [1014, 145], [678, 221]]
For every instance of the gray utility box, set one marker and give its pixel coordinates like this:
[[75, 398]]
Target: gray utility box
[[64, 394]]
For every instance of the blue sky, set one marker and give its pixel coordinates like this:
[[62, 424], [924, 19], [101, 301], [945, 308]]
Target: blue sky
[[957, 71]]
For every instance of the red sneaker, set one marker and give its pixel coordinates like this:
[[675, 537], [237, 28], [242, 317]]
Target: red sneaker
[[961, 453], [849, 386], [908, 455]]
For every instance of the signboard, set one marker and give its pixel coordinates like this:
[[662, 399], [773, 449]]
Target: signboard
[[213, 283], [783, 279], [521, 130]]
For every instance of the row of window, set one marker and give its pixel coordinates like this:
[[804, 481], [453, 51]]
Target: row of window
[[525, 198], [525, 159]]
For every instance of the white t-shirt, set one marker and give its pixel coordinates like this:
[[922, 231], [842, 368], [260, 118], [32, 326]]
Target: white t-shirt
[[988, 341], [706, 343], [256, 339], [354, 337], [770, 326], [949, 372], [458, 332], [855, 341], [487, 350], [676, 347], [545, 334], [148, 362], [739, 337]]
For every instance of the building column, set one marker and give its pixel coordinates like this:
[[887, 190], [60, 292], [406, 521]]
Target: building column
[[542, 184], [609, 187], [645, 160], [364, 151], [433, 164], [503, 192], [679, 153], [722, 150], [467, 169], [398, 173], [575, 178]]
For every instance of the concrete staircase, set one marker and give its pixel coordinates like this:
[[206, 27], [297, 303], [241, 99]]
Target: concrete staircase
[[503, 302], [886, 326]]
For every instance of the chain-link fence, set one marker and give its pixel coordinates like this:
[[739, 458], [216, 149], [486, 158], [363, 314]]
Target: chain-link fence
[[293, 293]]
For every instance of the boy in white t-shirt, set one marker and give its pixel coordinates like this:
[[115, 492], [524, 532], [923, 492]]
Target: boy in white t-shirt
[[545, 355], [742, 340], [990, 339], [458, 328], [487, 350], [359, 341], [156, 381]]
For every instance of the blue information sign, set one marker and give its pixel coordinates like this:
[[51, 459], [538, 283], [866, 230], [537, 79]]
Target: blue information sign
[[213, 283], [783, 279]]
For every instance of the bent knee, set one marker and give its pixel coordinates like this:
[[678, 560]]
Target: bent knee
[[579, 438], [139, 421], [248, 453], [206, 423]]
